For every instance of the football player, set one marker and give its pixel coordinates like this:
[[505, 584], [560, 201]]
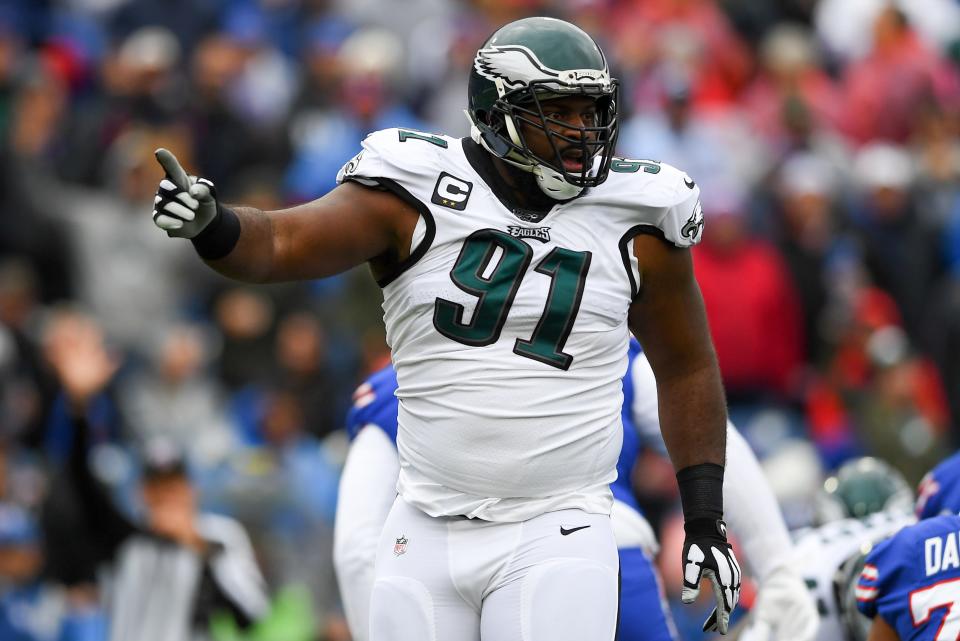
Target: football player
[[939, 491], [864, 502], [368, 488], [910, 583], [514, 264]]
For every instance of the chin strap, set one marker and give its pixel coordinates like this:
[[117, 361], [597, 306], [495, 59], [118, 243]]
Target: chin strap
[[551, 182]]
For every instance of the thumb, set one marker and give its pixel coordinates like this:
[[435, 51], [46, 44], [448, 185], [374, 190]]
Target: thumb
[[173, 168], [201, 191]]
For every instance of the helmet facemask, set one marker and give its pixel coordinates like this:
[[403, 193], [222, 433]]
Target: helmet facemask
[[518, 109], [593, 145], [511, 81]]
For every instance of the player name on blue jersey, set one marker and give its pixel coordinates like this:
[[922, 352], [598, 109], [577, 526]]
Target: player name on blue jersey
[[912, 580], [941, 554]]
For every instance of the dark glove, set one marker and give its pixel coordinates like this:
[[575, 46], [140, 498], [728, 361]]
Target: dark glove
[[707, 555], [185, 205]]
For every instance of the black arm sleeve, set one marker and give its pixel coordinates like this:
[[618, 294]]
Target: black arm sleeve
[[108, 524]]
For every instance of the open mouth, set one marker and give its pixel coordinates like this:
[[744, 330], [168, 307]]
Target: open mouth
[[573, 160]]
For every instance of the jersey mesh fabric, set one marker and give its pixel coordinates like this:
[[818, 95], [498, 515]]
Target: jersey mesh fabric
[[509, 337]]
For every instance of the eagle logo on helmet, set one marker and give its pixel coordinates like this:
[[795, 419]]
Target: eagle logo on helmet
[[517, 66]]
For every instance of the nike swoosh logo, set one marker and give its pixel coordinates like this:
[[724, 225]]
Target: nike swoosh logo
[[689, 183], [565, 531]]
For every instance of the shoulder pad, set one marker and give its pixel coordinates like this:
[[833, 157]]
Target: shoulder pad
[[895, 561], [939, 491], [663, 195], [403, 156]]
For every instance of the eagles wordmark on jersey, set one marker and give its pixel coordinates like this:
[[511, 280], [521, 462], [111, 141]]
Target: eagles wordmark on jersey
[[493, 310]]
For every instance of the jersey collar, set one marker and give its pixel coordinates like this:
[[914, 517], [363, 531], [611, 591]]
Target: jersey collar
[[482, 163]]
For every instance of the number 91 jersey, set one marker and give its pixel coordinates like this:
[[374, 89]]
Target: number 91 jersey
[[508, 330]]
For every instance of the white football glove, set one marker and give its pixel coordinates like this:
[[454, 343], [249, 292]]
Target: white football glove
[[784, 610], [707, 555], [184, 204]]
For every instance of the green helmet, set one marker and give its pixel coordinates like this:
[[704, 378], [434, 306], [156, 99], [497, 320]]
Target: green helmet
[[861, 487], [524, 63]]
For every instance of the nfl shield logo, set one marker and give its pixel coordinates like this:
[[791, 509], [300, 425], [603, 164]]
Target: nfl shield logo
[[400, 547]]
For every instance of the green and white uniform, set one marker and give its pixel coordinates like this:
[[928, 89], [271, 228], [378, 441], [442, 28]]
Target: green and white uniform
[[509, 334], [820, 552]]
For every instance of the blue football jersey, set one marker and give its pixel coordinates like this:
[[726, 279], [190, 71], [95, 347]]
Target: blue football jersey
[[912, 580], [939, 491], [621, 488], [375, 403]]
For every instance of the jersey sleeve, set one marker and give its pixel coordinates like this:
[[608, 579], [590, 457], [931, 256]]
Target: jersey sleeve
[[375, 403], [939, 491], [879, 575], [662, 200], [682, 222], [891, 570], [398, 160]]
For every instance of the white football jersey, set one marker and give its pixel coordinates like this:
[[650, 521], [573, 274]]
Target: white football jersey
[[820, 552], [509, 331]]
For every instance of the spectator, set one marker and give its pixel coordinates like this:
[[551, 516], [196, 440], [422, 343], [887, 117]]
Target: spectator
[[32, 609], [368, 99], [901, 250], [112, 257], [178, 567], [806, 235], [284, 487], [223, 143], [174, 396], [754, 311], [676, 134], [245, 319], [789, 72], [25, 392], [303, 370], [899, 74], [694, 33]]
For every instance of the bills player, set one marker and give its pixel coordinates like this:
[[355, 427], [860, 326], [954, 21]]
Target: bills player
[[514, 264], [783, 609], [939, 491], [910, 583]]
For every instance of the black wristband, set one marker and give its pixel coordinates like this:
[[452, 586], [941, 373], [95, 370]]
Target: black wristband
[[701, 491], [219, 237]]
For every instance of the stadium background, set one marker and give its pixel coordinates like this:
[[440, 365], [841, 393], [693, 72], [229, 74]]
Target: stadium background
[[824, 135]]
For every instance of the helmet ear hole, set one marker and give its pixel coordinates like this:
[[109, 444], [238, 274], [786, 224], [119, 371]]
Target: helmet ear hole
[[490, 119]]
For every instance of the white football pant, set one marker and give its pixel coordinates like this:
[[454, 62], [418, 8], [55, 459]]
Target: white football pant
[[552, 578]]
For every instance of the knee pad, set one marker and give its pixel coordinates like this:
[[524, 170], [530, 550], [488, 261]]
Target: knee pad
[[570, 599], [401, 609]]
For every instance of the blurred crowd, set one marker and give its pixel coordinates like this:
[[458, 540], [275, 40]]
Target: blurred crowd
[[825, 135]]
